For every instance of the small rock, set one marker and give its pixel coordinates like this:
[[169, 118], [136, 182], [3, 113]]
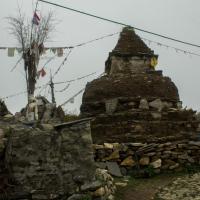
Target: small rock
[[194, 143], [46, 127], [91, 186], [123, 171], [156, 115], [128, 162], [157, 104], [99, 192], [8, 116], [144, 104], [111, 105], [191, 160], [97, 146], [150, 154], [144, 161], [113, 156], [183, 156], [116, 146], [101, 165], [139, 128], [77, 197], [108, 146], [111, 197], [174, 166], [114, 169], [136, 144], [181, 146], [156, 164], [2, 134], [179, 105], [121, 184], [167, 105]]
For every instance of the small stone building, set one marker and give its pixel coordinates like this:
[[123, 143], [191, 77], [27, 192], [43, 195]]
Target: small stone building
[[134, 102]]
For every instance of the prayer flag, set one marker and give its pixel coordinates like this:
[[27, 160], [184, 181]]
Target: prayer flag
[[36, 19], [41, 73], [59, 52], [11, 52]]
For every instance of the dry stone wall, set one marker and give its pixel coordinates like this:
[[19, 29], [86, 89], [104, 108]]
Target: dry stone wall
[[51, 162], [143, 120], [138, 158]]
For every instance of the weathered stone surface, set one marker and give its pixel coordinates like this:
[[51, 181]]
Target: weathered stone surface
[[113, 156], [156, 164], [99, 192], [47, 127], [156, 115], [108, 146], [128, 162], [111, 197], [144, 104], [8, 116], [144, 161], [157, 104], [111, 105], [114, 169], [97, 146], [184, 188], [91, 186], [51, 163], [121, 184], [101, 165], [145, 99], [2, 134], [136, 144], [195, 143], [174, 166], [78, 197]]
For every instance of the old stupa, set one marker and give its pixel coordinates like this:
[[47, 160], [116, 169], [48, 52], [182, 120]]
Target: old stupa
[[134, 102]]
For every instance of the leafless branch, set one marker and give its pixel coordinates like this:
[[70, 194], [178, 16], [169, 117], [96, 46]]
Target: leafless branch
[[31, 38]]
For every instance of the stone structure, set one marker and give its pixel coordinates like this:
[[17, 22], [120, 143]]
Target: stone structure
[[142, 158], [50, 162], [133, 102], [47, 112]]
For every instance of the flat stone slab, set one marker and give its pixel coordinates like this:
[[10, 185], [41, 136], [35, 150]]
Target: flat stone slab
[[113, 169]]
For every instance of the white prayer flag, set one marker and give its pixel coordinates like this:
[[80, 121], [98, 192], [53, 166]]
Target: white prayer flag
[[11, 52]]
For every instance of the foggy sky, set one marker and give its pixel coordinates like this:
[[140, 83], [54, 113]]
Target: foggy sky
[[175, 18]]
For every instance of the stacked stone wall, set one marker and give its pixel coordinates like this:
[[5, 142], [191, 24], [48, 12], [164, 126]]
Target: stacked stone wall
[[137, 157], [51, 162]]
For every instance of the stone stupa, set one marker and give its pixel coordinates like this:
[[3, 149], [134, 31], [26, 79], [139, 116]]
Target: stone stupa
[[134, 102]]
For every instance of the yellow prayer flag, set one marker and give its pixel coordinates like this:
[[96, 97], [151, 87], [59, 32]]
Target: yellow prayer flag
[[154, 62]]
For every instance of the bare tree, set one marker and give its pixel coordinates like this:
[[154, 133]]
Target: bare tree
[[31, 37]]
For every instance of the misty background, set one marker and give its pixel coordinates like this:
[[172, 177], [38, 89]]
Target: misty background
[[175, 18]]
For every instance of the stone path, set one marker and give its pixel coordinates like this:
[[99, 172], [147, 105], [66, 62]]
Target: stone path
[[184, 188]]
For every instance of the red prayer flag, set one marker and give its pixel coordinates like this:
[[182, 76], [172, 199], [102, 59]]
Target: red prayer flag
[[36, 19], [41, 73]]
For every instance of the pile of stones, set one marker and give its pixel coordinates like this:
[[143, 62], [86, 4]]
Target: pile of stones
[[103, 188]]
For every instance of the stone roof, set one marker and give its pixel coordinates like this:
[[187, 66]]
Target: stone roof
[[130, 43]]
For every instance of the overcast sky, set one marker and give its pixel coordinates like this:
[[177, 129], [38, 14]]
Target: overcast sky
[[175, 18]]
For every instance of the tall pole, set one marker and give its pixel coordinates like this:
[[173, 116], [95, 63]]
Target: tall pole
[[52, 89]]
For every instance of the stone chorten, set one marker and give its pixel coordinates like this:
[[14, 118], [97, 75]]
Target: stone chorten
[[133, 102]]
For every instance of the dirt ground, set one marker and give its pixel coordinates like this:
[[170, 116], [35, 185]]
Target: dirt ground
[[143, 189]]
